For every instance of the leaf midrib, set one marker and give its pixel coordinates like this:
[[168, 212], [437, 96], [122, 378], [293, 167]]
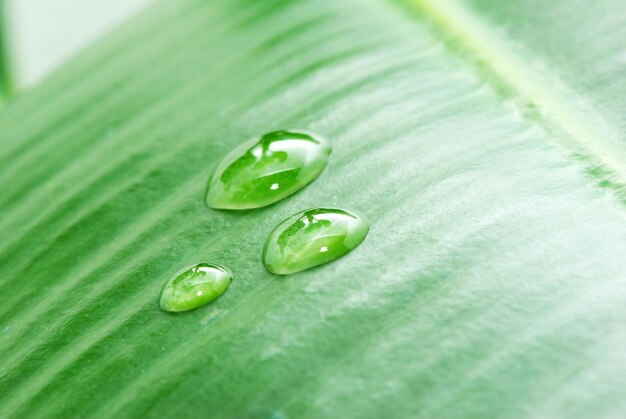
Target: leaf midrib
[[542, 99]]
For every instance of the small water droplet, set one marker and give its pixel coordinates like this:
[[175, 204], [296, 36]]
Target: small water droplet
[[267, 169], [311, 238], [194, 287]]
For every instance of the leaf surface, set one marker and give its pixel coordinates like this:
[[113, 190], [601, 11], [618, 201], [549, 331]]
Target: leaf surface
[[483, 145]]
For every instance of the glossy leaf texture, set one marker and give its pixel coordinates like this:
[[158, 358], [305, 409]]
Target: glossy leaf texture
[[481, 141]]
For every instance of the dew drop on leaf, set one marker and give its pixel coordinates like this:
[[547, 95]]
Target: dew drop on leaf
[[194, 287], [267, 169], [311, 238]]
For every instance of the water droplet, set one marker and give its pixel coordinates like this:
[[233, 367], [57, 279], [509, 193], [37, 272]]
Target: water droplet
[[267, 169], [194, 287], [312, 237]]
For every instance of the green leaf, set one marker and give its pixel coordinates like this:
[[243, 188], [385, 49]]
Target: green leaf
[[483, 140], [6, 79]]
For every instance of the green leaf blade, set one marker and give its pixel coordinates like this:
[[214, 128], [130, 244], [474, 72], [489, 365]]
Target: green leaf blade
[[489, 285], [6, 76]]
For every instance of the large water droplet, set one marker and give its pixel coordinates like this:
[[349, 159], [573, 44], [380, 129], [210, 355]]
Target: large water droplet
[[267, 169], [312, 237], [195, 286]]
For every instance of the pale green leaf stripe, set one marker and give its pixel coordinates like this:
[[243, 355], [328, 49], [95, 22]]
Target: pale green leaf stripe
[[491, 284]]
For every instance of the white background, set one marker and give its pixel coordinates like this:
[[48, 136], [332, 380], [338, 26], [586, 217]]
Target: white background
[[42, 34]]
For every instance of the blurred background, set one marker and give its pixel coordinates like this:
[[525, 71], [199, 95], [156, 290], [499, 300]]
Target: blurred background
[[43, 34]]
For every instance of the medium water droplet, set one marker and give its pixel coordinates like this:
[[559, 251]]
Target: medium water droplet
[[312, 237], [194, 287], [267, 169]]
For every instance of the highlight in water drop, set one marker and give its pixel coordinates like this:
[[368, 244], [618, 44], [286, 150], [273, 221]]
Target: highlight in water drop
[[311, 238], [267, 169], [194, 287]]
